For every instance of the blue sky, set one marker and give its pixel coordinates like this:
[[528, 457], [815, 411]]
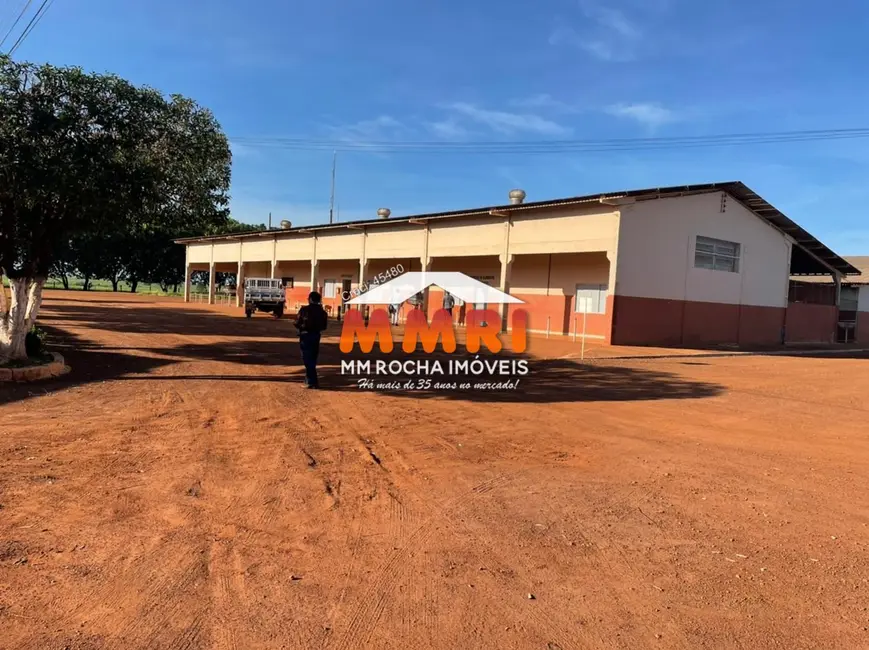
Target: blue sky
[[450, 71]]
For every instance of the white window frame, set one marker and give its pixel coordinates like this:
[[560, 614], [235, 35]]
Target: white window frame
[[596, 293], [326, 292], [717, 254]]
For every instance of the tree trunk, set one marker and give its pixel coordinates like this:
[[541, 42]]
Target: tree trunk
[[86, 286], [164, 287], [18, 315], [175, 288], [134, 284], [65, 279], [114, 284]]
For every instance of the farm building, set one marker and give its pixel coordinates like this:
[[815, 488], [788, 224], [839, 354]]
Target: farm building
[[853, 298], [692, 265]]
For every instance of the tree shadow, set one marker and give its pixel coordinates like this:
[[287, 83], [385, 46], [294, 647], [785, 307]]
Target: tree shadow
[[89, 362], [152, 319]]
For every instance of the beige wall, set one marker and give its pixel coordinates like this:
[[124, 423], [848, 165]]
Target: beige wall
[[471, 237], [299, 271], [340, 245], [258, 251], [557, 274], [488, 265], [566, 230], [297, 247], [199, 253], [257, 269], [656, 252], [226, 252], [399, 242]]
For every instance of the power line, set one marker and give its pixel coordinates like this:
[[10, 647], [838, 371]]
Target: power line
[[43, 9], [558, 146], [17, 20]]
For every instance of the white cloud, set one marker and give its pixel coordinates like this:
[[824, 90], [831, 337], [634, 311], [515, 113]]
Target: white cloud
[[508, 123], [651, 115], [382, 127], [546, 102], [612, 36], [613, 19], [448, 129]]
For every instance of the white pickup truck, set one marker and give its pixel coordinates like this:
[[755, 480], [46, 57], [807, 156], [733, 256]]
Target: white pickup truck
[[263, 294]]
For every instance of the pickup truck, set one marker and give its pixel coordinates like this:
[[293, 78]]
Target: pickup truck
[[263, 294]]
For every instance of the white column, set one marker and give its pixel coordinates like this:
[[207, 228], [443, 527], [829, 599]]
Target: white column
[[315, 267], [504, 285], [211, 280], [239, 285], [187, 274]]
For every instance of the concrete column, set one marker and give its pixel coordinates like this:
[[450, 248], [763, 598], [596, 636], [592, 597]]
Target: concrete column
[[211, 281], [315, 268], [425, 267], [239, 285], [274, 269], [504, 285], [187, 274]]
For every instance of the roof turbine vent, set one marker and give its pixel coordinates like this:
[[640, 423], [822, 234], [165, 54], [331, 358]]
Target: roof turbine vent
[[286, 225], [384, 213], [517, 196]]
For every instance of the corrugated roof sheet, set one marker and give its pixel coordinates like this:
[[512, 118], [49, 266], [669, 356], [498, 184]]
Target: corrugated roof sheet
[[753, 201], [860, 262]]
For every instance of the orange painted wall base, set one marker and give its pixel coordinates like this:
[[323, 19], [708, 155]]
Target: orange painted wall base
[[653, 321]]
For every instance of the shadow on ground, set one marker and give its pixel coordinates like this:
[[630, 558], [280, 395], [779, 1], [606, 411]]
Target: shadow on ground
[[548, 381], [90, 364], [145, 318]]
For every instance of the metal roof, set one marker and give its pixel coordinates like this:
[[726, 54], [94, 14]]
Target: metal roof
[[859, 262], [814, 249]]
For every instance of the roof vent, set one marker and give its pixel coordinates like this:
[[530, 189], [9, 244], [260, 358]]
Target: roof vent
[[517, 196], [384, 213], [286, 225]]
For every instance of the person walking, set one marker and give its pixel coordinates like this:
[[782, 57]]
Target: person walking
[[449, 302], [394, 311], [311, 321]]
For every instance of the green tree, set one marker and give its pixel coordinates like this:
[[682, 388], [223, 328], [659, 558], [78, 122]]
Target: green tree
[[88, 154]]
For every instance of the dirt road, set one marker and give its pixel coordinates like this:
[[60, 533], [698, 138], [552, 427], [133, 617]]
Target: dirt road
[[179, 489]]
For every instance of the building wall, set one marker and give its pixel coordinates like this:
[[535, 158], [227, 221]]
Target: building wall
[[807, 323], [483, 236], [199, 253], [547, 284], [571, 229], [258, 250], [661, 298], [227, 251], [296, 247]]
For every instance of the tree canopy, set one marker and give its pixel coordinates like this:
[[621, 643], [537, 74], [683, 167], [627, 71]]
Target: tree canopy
[[91, 169]]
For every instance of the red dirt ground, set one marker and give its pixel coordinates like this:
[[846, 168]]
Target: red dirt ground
[[179, 489]]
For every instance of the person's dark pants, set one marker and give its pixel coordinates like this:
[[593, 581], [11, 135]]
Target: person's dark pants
[[310, 344]]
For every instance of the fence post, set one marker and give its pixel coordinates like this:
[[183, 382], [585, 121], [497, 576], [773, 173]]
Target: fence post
[[547, 326]]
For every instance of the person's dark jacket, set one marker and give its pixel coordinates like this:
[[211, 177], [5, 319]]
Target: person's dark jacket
[[311, 319]]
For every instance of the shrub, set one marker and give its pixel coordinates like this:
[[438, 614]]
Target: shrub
[[34, 342]]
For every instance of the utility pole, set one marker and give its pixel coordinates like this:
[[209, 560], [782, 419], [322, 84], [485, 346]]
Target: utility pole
[[270, 220], [332, 196]]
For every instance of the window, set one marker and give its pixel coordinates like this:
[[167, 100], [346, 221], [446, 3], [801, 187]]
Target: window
[[591, 298], [716, 255], [288, 283], [330, 289]]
